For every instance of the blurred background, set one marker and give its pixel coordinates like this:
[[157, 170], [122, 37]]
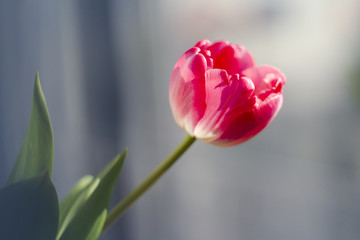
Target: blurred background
[[105, 68]]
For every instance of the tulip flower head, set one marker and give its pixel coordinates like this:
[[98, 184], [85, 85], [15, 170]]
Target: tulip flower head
[[218, 95]]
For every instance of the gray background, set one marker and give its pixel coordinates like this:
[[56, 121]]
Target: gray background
[[105, 67]]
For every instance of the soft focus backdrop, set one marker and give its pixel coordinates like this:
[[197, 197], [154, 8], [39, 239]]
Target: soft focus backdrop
[[105, 68]]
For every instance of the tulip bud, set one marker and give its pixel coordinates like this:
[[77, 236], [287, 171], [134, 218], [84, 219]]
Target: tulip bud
[[218, 95]]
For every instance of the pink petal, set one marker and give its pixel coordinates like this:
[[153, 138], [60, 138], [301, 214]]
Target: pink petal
[[232, 58], [265, 78], [203, 44], [241, 127], [222, 94], [187, 90], [217, 47]]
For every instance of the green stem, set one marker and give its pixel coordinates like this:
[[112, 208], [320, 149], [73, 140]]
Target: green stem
[[130, 199]]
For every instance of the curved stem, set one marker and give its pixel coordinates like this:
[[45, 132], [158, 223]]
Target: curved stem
[[130, 199]]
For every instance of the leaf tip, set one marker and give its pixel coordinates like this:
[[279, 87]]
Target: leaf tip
[[125, 151], [37, 79]]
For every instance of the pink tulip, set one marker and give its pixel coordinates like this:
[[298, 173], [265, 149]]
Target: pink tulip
[[218, 95]]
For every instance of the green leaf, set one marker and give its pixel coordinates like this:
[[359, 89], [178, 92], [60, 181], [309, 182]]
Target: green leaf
[[36, 153], [89, 216], [29, 209], [97, 227], [76, 198]]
